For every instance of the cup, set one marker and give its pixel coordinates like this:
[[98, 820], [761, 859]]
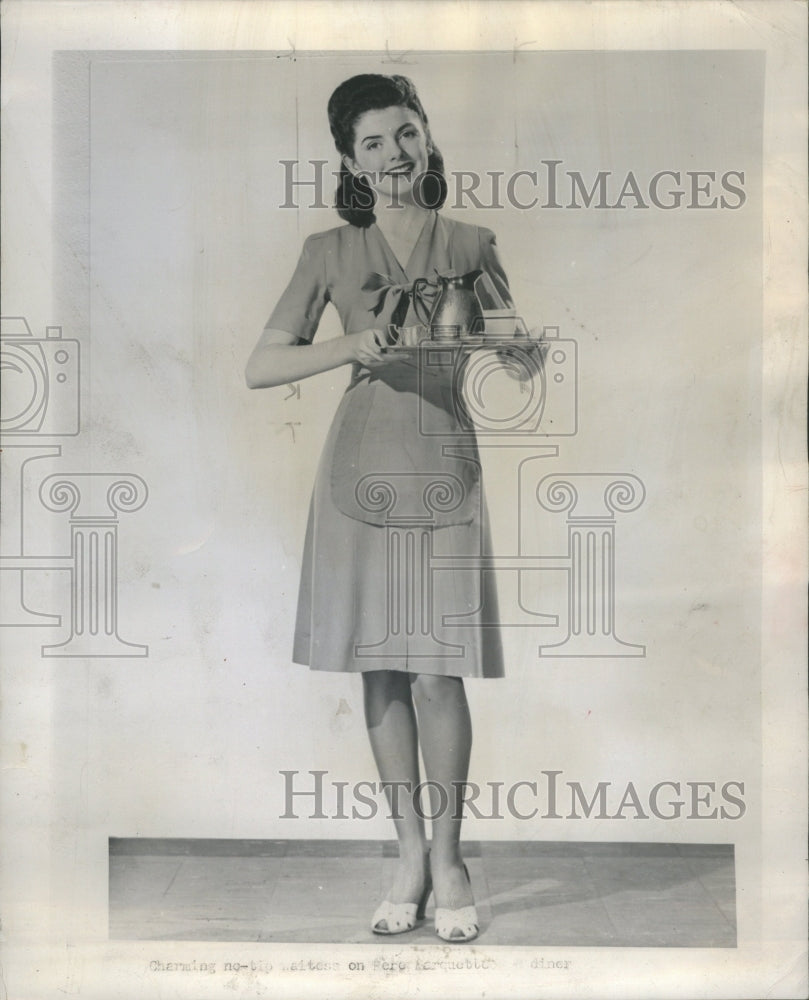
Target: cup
[[445, 331], [500, 324], [413, 335]]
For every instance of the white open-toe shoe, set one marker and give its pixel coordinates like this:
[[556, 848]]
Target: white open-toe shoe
[[457, 926], [396, 918]]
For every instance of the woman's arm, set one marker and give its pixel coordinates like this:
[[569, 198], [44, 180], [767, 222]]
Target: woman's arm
[[280, 357]]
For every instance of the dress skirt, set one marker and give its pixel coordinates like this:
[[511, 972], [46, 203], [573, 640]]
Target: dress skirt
[[396, 585]]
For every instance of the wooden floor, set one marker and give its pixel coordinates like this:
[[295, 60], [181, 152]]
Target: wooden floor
[[527, 893]]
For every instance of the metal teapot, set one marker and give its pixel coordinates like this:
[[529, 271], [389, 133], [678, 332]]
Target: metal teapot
[[456, 310]]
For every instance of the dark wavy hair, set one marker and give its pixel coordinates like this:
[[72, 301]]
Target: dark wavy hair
[[355, 199]]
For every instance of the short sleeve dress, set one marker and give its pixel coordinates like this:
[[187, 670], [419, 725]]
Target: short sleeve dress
[[391, 576]]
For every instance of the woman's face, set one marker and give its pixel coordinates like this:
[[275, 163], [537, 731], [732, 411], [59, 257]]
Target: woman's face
[[391, 147]]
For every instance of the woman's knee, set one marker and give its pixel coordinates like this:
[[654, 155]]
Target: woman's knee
[[433, 689], [382, 689]]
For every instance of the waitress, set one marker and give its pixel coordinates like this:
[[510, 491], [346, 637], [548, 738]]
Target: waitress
[[413, 686]]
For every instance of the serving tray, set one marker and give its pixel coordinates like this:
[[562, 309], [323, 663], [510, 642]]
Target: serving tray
[[470, 342], [466, 344]]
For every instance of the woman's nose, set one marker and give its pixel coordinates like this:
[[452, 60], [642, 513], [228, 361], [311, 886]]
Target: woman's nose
[[397, 151]]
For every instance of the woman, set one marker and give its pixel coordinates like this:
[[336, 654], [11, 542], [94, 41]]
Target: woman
[[394, 427]]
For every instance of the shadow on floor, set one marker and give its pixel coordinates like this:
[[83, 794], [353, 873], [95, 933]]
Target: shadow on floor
[[527, 892]]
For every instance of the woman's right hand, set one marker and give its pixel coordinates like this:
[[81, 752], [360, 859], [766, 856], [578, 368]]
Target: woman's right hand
[[366, 348], [280, 358]]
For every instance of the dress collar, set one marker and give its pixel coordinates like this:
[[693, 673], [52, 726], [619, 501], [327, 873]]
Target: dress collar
[[416, 264]]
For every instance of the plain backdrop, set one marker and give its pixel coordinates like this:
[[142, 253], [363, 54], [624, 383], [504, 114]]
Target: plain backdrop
[[171, 249]]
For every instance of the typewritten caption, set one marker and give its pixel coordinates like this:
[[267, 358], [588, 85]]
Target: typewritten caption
[[380, 964]]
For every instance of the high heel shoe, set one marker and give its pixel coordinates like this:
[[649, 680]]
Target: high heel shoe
[[457, 926], [401, 917]]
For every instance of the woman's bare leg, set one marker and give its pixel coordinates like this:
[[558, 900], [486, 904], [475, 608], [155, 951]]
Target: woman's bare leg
[[391, 723], [445, 732]]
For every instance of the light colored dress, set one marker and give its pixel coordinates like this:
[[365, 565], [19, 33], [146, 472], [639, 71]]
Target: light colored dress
[[397, 505]]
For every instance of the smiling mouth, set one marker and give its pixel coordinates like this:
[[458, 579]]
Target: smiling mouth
[[405, 168]]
